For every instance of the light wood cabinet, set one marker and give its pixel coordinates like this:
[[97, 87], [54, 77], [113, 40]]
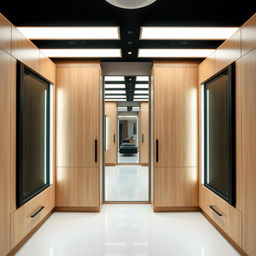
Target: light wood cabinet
[[175, 114], [207, 68], [175, 134], [47, 68], [79, 134], [248, 152], [111, 136], [5, 160], [144, 130], [78, 114], [5, 34]]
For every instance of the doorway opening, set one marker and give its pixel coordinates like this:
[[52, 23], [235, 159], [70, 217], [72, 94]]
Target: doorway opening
[[126, 139]]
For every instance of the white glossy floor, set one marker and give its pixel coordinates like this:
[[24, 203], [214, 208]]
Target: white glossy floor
[[124, 159], [127, 230], [126, 183]]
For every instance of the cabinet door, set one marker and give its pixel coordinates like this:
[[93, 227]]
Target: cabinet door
[[5, 76], [248, 152], [144, 128], [111, 135], [78, 114], [175, 114]]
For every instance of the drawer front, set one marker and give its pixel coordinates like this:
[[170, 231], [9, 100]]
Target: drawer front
[[23, 221], [230, 219]]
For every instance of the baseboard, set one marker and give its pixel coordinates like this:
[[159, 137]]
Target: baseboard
[[110, 164], [29, 235], [127, 202], [128, 164], [77, 209], [177, 209], [144, 164], [224, 234]]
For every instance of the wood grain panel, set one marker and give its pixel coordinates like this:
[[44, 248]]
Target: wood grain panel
[[5, 34], [248, 35], [249, 152], [175, 114], [207, 68], [144, 128], [112, 136], [47, 68], [78, 114], [21, 221], [5, 139], [176, 187], [25, 51], [228, 52], [78, 187], [230, 221]]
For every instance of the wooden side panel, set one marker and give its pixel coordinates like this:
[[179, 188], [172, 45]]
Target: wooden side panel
[[144, 129], [25, 51], [176, 114], [5, 34], [207, 68], [248, 35], [176, 187], [228, 52], [78, 187], [230, 221], [5, 139], [248, 152], [21, 221], [78, 114], [112, 136], [47, 68]]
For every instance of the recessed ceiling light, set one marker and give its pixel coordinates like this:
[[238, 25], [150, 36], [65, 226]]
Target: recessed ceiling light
[[130, 53], [115, 92], [114, 78], [54, 33], [128, 4], [142, 78], [82, 53], [189, 33], [140, 96], [136, 109], [130, 79], [175, 53], [114, 86], [141, 86], [115, 96], [141, 92]]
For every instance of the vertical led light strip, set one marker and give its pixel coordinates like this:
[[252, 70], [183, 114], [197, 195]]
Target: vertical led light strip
[[45, 136], [207, 139], [202, 134], [51, 134]]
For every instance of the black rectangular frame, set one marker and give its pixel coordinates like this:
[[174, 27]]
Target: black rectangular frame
[[21, 68], [230, 70]]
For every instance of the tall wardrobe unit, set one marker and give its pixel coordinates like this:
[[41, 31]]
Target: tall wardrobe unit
[[175, 133], [79, 149]]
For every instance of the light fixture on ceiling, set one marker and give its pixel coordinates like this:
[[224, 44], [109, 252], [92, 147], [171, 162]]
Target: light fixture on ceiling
[[130, 4], [140, 97], [115, 97], [141, 92], [114, 78], [187, 33], [141, 86], [122, 109], [115, 92], [175, 53], [140, 100], [82, 53], [60, 33], [142, 78], [130, 53]]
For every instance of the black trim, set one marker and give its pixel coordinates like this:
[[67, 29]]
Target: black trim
[[96, 150], [217, 212], [37, 212], [21, 70], [230, 70]]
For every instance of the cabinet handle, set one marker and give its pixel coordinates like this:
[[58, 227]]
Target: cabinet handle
[[142, 138], [157, 151], [96, 151], [217, 212], [114, 138], [37, 212]]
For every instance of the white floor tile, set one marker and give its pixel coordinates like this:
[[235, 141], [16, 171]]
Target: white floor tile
[[127, 230], [124, 159], [126, 183]]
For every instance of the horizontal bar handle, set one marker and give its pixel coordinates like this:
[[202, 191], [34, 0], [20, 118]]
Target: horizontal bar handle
[[217, 212], [37, 212]]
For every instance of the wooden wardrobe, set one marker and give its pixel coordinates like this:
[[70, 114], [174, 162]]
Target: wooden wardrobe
[[175, 133], [79, 149]]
